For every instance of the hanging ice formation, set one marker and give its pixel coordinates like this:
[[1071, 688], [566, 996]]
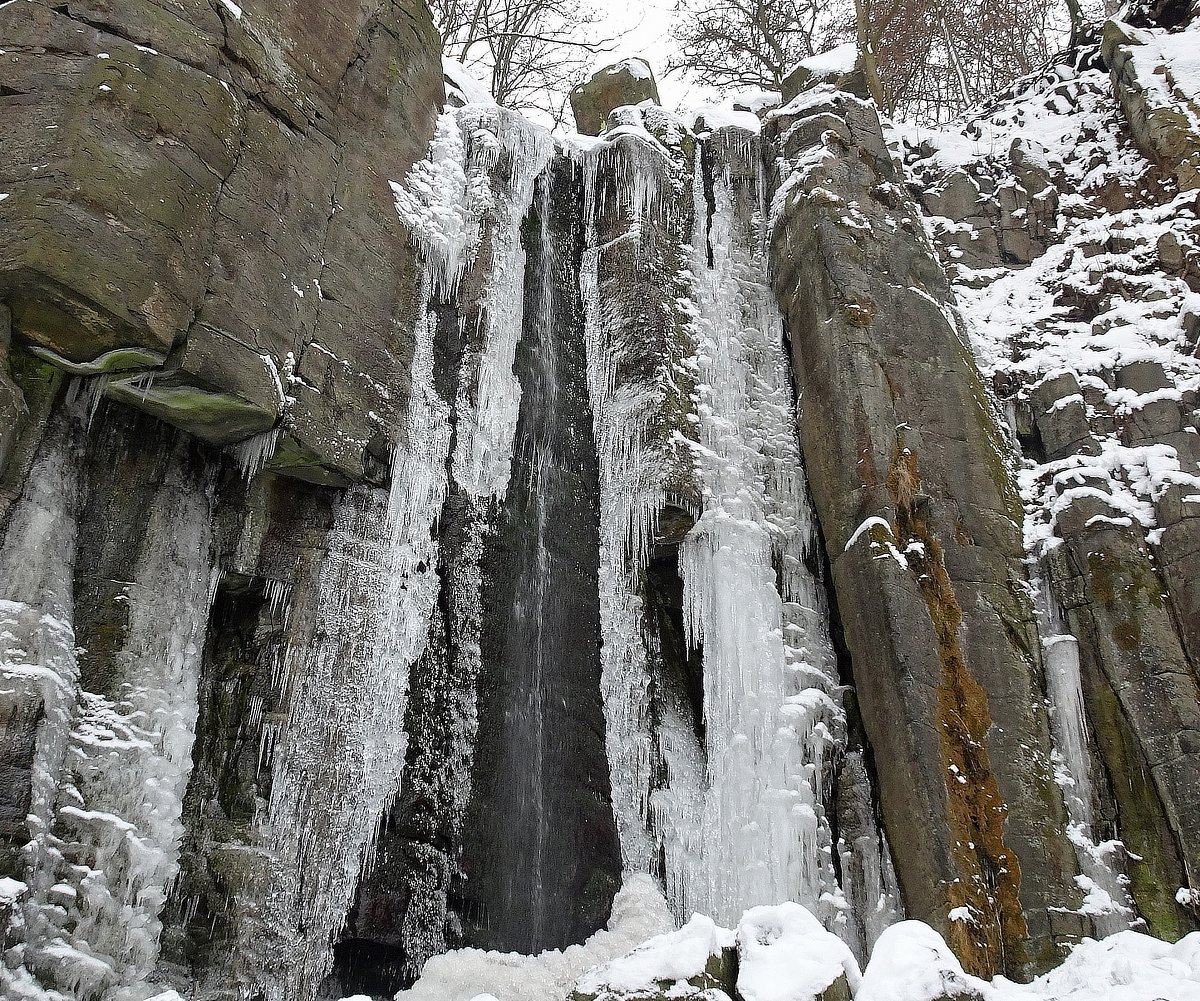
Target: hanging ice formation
[[338, 759], [38, 659], [113, 755], [638, 345], [1102, 879], [772, 716], [695, 421]]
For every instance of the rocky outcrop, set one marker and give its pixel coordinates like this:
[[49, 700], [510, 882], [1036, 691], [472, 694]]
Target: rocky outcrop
[[484, 563], [196, 211], [1163, 113], [1088, 342], [922, 522], [627, 83]]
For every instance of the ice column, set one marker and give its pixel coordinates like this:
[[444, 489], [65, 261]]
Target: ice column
[[630, 185], [121, 801], [1104, 885], [39, 672], [772, 717], [338, 760], [112, 764]]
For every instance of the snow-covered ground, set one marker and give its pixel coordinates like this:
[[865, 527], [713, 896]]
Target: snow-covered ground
[[785, 954]]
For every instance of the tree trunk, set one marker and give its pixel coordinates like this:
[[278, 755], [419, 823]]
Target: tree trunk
[[866, 54]]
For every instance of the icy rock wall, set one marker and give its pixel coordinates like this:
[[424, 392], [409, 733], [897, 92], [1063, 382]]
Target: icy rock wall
[[772, 719], [719, 677], [914, 490], [113, 747], [541, 775], [342, 741], [638, 221]]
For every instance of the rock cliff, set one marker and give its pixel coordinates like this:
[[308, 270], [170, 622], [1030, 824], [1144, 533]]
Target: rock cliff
[[423, 535]]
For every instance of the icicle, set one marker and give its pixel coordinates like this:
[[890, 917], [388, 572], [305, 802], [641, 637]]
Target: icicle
[[253, 454], [1106, 897], [84, 393], [634, 466], [490, 398], [115, 795], [756, 829]]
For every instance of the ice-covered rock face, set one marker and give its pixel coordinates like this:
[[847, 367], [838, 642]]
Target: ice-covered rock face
[[711, 537]]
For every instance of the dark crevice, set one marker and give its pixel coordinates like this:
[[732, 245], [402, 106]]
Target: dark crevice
[[704, 165]]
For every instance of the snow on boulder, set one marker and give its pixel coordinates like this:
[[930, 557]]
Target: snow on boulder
[[838, 66], [629, 82], [785, 954], [1127, 966], [698, 957], [912, 962]]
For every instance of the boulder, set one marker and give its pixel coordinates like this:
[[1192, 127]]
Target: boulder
[[912, 962], [699, 957], [838, 66], [1162, 124], [629, 82], [785, 954]]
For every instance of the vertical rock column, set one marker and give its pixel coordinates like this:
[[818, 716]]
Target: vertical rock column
[[912, 484]]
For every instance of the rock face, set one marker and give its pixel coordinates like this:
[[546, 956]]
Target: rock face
[[1092, 394], [922, 523], [197, 208], [650, 503]]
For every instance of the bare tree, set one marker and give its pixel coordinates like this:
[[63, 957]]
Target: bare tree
[[933, 59], [749, 43], [923, 59], [530, 52]]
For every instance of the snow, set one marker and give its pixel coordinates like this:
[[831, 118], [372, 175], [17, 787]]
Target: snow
[[785, 954], [459, 77], [911, 962], [11, 890], [711, 118], [639, 69], [873, 522], [1127, 966], [233, 8], [639, 913], [676, 956], [833, 62]]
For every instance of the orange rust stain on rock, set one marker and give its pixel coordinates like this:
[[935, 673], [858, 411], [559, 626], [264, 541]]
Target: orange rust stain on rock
[[989, 875]]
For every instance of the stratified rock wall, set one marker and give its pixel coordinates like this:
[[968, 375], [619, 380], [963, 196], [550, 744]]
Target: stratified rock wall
[[919, 510], [196, 206]]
